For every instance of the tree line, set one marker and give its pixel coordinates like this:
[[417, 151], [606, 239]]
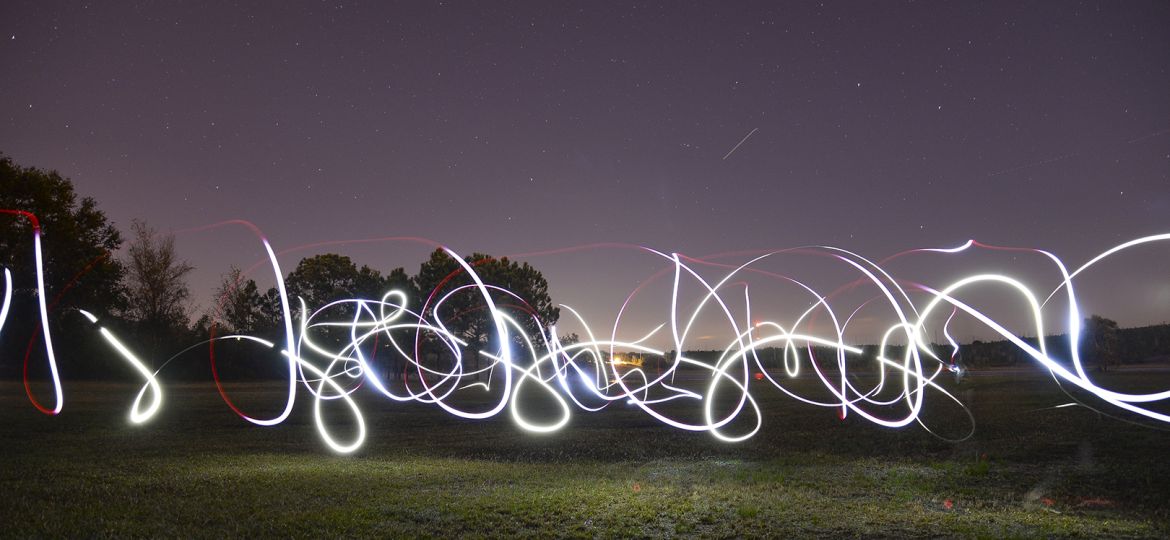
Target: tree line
[[143, 294]]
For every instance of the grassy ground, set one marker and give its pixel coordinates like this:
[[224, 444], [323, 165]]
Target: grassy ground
[[200, 471]]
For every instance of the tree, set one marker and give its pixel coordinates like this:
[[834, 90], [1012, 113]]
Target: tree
[[78, 243], [465, 312], [157, 287], [238, 304], [318, 280], [322, 279], [1101, 342], [239, 308], [398, 280], [330, 277]]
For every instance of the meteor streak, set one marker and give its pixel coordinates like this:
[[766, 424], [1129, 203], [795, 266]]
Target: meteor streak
[[741, 141]]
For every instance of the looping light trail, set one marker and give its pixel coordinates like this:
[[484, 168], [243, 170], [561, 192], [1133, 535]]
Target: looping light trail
[[526, 374]]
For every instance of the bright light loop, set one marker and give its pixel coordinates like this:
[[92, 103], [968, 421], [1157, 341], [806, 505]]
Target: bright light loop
[[332, 350]]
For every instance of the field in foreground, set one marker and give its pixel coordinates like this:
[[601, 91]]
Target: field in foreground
[[198, 470]]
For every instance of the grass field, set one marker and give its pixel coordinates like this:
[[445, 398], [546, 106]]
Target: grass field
[[198, 470]]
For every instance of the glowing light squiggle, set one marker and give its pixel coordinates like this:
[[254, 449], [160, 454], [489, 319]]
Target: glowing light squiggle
[[38, 262], [589, 376]]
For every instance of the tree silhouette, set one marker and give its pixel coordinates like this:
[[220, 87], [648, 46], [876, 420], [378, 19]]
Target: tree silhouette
[[1101, 342], [77, 246], [239, 306], [465, 313], [156, 282], [323, 279]]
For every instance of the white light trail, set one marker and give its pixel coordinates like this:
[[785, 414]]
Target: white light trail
[[537, 373], [44, 311], [137, 415]]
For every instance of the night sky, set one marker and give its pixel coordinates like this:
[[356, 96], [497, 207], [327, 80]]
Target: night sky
[[524, 127]]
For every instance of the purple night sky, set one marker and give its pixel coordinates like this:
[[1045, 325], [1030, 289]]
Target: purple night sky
[[512, 128]]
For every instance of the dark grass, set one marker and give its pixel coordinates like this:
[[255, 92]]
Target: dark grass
[[198, 470]]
